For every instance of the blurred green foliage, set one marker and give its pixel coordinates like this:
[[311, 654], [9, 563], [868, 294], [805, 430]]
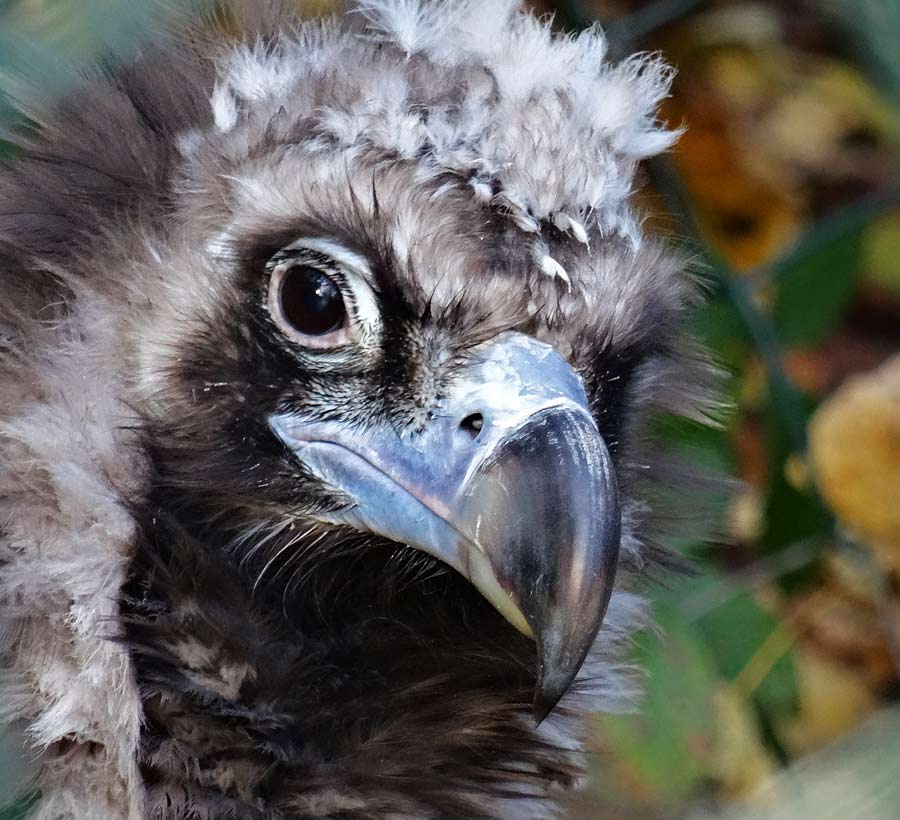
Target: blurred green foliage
[[716, 630]]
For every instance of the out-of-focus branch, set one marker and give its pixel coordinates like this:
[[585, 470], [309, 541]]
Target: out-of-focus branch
[[624, 33], [844, 221]]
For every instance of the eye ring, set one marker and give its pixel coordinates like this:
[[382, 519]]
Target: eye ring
[[308, 305]]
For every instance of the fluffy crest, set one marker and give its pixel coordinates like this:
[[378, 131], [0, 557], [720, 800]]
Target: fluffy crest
[[540, 124]]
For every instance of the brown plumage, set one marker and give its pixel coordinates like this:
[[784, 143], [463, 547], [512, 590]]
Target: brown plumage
[[223, 264]]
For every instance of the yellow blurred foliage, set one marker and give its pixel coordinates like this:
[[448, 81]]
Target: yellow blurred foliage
[[775, 134], [813, 127], [845, 627], [833, 699], [881, 249], [854, 441], [853, 621], [740, 764]]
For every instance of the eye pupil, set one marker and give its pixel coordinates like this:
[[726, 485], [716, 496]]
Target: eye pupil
[[311, 302]]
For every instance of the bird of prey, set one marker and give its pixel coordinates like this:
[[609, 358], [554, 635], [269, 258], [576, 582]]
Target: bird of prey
[[328, 352]]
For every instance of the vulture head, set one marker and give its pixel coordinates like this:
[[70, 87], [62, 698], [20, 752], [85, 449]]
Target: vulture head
[[327, 351]]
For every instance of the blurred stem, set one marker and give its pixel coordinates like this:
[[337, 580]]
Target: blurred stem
[[757, 669], [767, 570], [872, 30], [786, 401], [623, 33], [626, 32]]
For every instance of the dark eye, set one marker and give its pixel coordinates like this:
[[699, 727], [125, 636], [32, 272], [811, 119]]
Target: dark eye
[[308, 305]]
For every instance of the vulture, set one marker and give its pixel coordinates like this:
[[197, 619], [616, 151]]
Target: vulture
[[332, 358]]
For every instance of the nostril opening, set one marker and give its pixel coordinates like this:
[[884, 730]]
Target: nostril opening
[[472, 424]]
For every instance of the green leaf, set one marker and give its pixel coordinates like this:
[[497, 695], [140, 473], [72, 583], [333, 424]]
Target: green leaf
[[792, 514], [735, 630], [666, 745], [719, 324], [815, 291], [704, 446]]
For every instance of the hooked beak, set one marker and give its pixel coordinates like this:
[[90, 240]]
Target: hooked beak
[[509, 483]]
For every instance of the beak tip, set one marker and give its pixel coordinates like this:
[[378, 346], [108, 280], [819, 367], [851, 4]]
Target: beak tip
[[544, 704], [552, 684]]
